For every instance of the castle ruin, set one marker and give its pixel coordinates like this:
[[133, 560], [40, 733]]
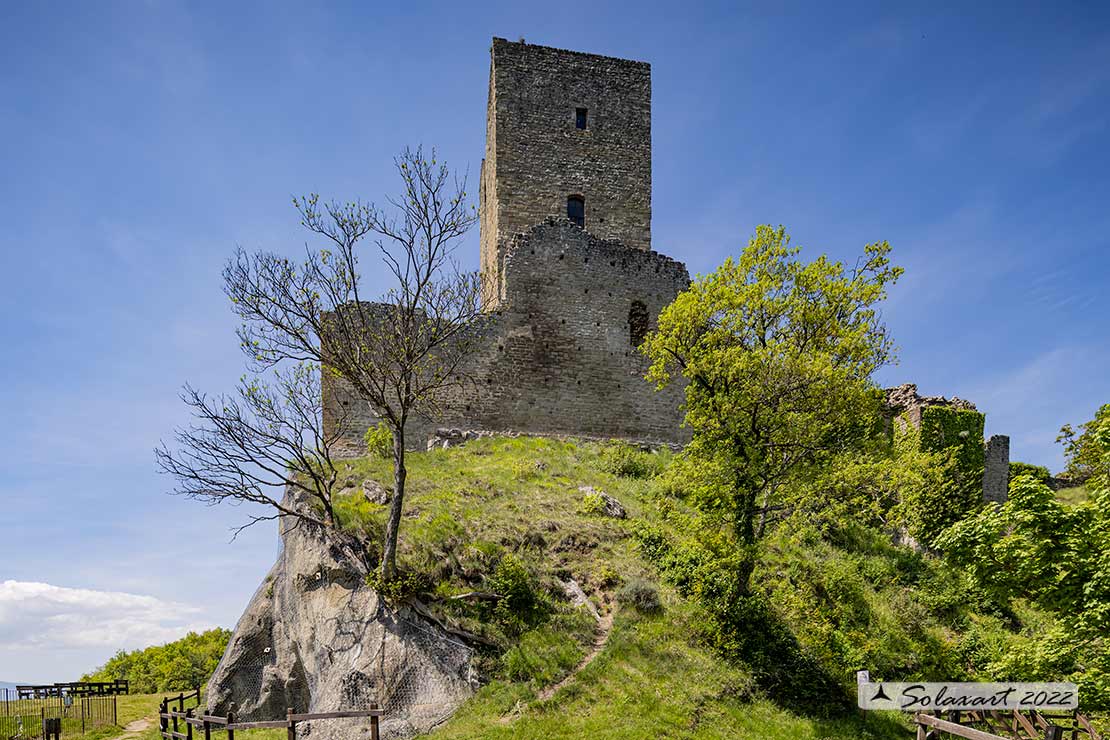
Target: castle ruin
[[571, 285]]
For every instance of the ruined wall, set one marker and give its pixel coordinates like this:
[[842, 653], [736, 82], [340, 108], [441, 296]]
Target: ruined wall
[[558, 358], [939, 423], [536, 156], [996, 469]]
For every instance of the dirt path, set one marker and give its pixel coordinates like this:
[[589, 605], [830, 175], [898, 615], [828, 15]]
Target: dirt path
[[604, 627], [134, 728]]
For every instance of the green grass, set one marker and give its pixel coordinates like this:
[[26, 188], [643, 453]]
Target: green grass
[[1074, 495], [468, 507]]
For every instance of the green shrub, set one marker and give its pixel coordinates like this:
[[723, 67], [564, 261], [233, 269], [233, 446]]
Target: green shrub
[[1039, 473], [379, 441], [641, 595], [619, 458], [520, 605], [400, 587], [592, 503]]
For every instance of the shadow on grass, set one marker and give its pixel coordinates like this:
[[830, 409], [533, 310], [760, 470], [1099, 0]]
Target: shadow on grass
[[752, 634]]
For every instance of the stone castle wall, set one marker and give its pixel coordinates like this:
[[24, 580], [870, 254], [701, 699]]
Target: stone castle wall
[[536, 156], [558, 357]]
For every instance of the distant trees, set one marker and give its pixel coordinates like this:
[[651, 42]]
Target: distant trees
[[1082, 450], [778, 356], [175, 666], [401, 353]]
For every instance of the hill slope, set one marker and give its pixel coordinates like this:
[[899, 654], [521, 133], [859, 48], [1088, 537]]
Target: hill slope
[[473, 508]]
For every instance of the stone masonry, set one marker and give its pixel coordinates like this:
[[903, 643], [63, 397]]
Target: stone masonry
[[996, 469], [567, 304], [563, 124], [904, 406], [559, 356]]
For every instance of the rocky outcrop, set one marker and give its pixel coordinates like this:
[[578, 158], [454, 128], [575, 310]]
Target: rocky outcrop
[[316, 638]]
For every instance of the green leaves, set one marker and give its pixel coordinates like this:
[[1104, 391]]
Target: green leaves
[[776, 355]]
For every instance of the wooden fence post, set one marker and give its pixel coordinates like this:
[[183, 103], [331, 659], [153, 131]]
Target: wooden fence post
[[207, 730], [292, 726], [230, 722], [188, 724], [374, 722]]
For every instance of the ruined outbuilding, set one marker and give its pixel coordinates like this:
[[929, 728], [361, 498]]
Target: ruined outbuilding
[[957, 424]]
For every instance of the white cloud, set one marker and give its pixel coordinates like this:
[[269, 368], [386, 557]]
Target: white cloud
[[43, 618]]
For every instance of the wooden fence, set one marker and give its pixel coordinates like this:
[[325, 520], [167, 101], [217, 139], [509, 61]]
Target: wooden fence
[[118, 687], [188, 723], [1007, 725]]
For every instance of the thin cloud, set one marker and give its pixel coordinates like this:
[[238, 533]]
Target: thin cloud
[[40, 616]]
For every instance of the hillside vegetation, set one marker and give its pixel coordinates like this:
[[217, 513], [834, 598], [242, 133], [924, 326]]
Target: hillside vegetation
[[509, 516]]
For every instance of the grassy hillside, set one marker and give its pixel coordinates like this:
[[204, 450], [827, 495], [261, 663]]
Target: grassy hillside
[[846, 600], [510, 516]]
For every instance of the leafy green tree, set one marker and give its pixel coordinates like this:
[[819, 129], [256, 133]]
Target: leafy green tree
[[777, 356], [1082, 449]]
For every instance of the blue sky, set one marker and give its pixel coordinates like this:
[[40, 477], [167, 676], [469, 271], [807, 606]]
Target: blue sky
[[141, 142]]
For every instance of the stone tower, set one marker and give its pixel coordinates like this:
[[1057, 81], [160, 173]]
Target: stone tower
[[568, 134], [571, 281]]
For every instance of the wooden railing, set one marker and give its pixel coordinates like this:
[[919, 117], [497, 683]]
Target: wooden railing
[[73, 688], [206, 724], [1013, 725]]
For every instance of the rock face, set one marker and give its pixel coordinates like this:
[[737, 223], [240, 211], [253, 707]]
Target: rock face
[[609, 505], [316, 638]]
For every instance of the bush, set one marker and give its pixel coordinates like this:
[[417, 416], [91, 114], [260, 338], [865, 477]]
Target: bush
[[641, 595], [1038, 472], [379, 441], [520, 605], [592, 503], [626, 461]]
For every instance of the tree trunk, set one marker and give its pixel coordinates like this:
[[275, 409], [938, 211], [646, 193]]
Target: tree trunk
[[393, 524], [744, 527]]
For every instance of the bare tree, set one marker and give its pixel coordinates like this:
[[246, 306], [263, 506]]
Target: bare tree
[[402, 353], [256, 446]]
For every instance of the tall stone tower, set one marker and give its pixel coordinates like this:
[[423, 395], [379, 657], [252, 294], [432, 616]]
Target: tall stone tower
[[568, 134]]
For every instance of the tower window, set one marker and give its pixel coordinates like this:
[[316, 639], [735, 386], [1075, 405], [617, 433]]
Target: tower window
[[576, 210], [580, 118], [637, 323]]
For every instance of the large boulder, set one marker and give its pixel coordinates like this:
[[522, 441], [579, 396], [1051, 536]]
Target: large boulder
[[316, 638]]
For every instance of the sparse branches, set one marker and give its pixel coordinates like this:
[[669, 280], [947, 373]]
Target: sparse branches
[[248, 446], [401, 353]]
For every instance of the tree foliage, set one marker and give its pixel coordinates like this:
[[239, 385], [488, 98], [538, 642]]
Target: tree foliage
[[1035, 547], [1083, 450], [777, 356], [176, 666]]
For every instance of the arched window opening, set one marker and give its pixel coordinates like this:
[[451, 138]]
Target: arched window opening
[[576, 210], [637, 323]]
